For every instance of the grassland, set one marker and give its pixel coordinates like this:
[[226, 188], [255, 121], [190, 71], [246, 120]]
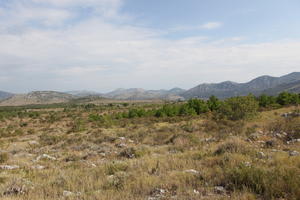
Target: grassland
[[63, 152]]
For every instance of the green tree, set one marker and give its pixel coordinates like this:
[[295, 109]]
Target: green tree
[[238, 108], [199, 105], [213, 103]]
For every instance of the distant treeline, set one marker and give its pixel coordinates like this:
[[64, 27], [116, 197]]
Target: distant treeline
[[234, 108]]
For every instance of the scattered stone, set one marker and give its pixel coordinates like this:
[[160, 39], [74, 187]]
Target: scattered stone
[[45, 156], [130, 141], [279, 135], [261, 154], [247, 164], [103, 154], [15, 189], [121, 145], [122, 138], [39, 167], [294, 153], [254, 136], [33, 142], [192, 171], [196, 191], [128, 153], [70, 194], [157, 194], [9, 167], [220, 190], [210, 140]]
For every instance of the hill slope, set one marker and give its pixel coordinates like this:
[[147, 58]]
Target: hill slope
[[263, 84], [4, 95], [38, 97], [141, 94]]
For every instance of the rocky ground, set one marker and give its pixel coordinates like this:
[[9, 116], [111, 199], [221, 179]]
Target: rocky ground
[[61, 154]]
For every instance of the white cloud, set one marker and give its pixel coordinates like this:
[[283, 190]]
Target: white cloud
[[100, 55]]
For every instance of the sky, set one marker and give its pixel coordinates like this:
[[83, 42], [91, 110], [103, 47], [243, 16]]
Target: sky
[[101, 45]]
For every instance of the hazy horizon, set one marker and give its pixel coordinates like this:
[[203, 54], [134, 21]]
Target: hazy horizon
[[101, 45]]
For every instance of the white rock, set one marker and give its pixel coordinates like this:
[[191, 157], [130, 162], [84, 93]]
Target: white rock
[[192, 171], [196, 191], [9, 167], [39, 167], [45, 156], [220, 189], [294, 153], [33, 142]]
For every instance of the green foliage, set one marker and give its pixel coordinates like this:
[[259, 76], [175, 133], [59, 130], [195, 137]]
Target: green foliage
[[286, 98], [199, 105], [214, 103], [186, 110], [239, 108], [266, 101]]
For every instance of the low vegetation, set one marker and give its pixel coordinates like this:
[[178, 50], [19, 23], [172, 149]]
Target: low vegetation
[[237, 148]]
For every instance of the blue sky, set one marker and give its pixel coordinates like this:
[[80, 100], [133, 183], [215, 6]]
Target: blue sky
[[102, 45]]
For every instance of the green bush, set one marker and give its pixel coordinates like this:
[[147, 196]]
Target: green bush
[[239, 108]]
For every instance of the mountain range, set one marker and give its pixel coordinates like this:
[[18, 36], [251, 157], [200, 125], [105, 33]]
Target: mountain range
[[261, 85]]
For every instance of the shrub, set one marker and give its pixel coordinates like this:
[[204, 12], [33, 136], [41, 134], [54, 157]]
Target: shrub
[[199, 105], [239, 108], [214, 103]]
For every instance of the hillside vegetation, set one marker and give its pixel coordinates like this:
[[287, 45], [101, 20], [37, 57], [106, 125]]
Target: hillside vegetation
[[238, 148]]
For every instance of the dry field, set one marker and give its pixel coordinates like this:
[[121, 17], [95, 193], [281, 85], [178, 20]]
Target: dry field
[[64, 153]]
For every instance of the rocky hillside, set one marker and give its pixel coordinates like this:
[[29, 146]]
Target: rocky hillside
[[263, 84], [4, 95], [38, 97], [141, 94]]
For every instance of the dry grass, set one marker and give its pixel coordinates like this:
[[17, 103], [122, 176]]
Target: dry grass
[[61, 154]]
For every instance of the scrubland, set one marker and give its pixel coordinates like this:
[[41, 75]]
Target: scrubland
[[81, 152]]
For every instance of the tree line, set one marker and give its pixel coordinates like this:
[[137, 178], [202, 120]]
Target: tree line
[[234, 108]]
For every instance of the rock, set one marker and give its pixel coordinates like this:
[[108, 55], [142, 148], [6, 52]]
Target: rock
[[247, 164], [39, 167], [9, 167], [122, 138], [33, 142], [130, 141], [121, 145], [70, 194], [192, 171], [220, 190], [294, 153], [45, 156], [157, 194], [261, 154], [15, 189], [196, 191], [103, 154], [254, 136], [128, 153]]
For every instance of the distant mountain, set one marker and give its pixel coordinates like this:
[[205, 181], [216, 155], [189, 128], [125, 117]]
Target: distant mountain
[[263, 84], [5, 95], [293, 87], [38, 97], [141, 94], [83, 93]]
